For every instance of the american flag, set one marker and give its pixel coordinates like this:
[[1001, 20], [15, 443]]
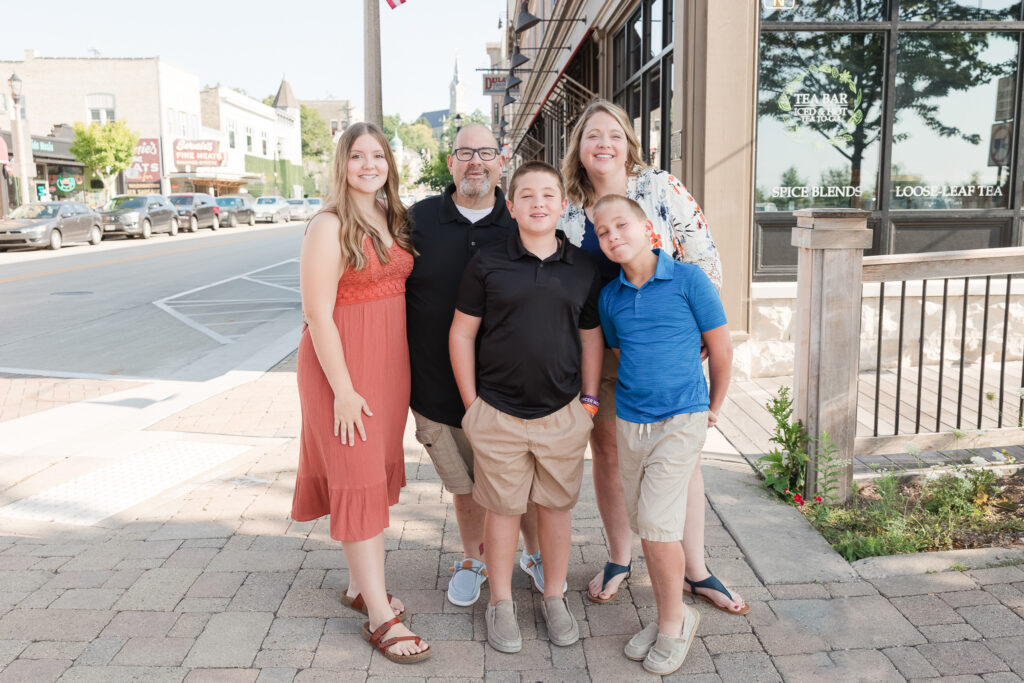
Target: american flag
[[395, 3]]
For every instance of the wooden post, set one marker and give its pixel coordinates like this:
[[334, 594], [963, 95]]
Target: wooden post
[[830, 246]]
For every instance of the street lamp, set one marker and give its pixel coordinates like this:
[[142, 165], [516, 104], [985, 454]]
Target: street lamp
[[23, 152], [525, 20]]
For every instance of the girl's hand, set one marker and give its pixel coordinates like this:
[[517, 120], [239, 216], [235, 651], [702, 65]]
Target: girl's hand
[[348, 417], [712, 419]]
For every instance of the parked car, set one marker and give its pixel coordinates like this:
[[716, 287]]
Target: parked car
[[273, 209], [315, 203], [196, 210], [139, 216], [50, 225], [235, 209], [300, 210]]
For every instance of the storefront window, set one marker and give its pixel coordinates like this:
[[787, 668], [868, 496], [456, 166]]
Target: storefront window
[[953, 134], [819, 124], [824, 10], [656, 40], [959, 10], [641, 67]]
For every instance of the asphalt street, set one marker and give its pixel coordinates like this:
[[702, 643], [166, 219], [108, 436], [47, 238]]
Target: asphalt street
[[188, 307]]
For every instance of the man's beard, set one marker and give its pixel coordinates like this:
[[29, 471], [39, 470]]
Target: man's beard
[[475, 187]]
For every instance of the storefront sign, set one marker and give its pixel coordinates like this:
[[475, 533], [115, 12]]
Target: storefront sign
[[813, 191], [833, 109], [999, 147], [494, 84], [41, 145], [948, 191], [197, 153], [145, 168], [66, 183]]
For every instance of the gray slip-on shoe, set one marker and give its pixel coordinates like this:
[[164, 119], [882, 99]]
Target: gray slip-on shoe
[[640, 644], [668, 653], [562, 627], [503, 627]]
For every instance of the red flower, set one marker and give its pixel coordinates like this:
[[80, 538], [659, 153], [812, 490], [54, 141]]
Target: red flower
[[818, 499], [797, 498], [786, 491]]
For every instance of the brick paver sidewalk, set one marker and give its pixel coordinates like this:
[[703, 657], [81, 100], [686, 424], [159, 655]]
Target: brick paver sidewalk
[[212, 581]]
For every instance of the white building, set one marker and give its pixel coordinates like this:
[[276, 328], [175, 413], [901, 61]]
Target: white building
[[178, 149], [260, 143]]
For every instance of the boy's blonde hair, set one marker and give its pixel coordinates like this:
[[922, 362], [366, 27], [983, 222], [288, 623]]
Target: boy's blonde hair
[[534, 167], [610, 199]]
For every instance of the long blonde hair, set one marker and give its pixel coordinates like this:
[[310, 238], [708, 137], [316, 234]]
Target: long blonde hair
[[354, 226], [578, 187]]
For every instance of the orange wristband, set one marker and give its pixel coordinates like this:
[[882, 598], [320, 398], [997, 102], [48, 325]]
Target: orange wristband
[[590, 408]]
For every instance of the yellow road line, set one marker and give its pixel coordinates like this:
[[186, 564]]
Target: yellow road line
[[131, 258]]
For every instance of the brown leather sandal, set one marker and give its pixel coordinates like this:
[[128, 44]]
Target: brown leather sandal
[[359, 605], [383, 645]]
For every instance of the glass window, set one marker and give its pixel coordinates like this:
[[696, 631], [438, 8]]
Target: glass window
[[953, 131], [634, 43], [248, 138], [947, 236], [653, 86], [823, 10], [819, 120], [655, 12], [959, 10]]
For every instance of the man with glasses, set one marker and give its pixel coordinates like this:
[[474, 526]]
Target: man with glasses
[[447, 230]]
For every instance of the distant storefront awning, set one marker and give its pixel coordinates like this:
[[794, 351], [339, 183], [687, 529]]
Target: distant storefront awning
[[45, 150]]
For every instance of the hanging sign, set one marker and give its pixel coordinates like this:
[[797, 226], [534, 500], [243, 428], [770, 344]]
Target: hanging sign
[[494, 84], [999, 147]]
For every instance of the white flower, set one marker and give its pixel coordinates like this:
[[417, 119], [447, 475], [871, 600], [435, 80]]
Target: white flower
[[978, 460], [912, 448]]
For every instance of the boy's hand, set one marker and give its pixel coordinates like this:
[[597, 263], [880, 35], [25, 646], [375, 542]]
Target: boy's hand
[[712, 418], [703, 350]]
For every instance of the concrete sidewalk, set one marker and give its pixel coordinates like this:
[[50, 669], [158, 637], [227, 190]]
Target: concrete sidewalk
[[209, 580]]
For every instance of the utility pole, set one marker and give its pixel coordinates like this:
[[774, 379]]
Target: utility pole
[[371, 59]]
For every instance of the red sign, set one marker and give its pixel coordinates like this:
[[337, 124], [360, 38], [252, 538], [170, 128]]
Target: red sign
[[197, 153], [494, 84], [145, 166]]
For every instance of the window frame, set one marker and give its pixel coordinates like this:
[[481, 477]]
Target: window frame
[[624, 82], [885, 220]]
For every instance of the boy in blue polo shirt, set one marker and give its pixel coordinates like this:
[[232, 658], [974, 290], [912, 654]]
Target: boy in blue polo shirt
[[654, 315]]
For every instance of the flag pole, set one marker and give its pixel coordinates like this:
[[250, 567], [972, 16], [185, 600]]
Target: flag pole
[[371, 57]]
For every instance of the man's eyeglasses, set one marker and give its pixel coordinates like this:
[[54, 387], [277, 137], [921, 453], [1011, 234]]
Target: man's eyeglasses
[[466, 153]]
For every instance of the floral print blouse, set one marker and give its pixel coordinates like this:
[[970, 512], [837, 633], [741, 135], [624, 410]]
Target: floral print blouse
[[676, 217]]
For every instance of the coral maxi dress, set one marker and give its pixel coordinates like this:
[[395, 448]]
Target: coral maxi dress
[[356, 484]]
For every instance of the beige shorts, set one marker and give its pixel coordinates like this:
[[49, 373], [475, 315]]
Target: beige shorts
[[450, 452], [656, 462], [517, 460], [606, 390]]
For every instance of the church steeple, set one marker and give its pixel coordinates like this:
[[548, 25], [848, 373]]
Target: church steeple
[[457, 91]]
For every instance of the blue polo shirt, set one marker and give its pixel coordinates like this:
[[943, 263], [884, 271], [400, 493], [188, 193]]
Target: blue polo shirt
[[657, 329]]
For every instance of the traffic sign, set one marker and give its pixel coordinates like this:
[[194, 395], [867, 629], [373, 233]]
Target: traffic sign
[[999, 147]]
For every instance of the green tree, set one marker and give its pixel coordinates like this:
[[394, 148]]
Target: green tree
[[106, 149], [316, 140], [417, 136], [391, 125]]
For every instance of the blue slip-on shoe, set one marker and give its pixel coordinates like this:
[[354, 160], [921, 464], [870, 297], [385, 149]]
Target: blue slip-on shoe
[[534, 568], [464, 586]]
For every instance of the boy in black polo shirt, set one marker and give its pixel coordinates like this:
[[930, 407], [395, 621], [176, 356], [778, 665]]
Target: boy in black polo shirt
[[533, 301]]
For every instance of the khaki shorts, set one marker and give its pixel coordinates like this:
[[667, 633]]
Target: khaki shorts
[[606, 390], [519, 460], [656, 462], [450, 452]]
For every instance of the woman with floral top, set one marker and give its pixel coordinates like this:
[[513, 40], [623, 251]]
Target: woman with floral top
[[603, 158]]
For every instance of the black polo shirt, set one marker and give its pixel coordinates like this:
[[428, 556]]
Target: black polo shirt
[[445, 240], [528, 357]]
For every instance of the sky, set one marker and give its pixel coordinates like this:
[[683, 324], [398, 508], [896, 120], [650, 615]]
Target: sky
[[317, 46]]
